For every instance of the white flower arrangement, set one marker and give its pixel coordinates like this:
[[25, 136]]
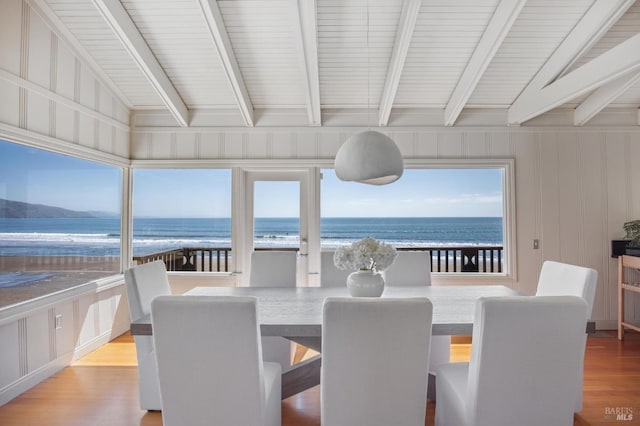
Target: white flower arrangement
[[366, 254]]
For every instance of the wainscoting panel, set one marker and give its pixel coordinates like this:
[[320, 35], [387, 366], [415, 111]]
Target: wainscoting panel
[[38, 343], [9, 354], [65, 335], [32, 348]]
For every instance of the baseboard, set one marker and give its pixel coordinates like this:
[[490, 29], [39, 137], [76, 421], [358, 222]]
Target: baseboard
[[33, 378], [30, 380], [606, 324], [95, 343]]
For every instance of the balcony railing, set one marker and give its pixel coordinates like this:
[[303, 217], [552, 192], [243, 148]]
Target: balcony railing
[[477, 259]]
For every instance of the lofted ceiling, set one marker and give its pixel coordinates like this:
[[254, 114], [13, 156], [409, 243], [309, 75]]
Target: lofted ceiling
[[387, 57]]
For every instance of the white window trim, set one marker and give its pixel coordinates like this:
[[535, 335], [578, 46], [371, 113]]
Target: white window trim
[[509, 276]]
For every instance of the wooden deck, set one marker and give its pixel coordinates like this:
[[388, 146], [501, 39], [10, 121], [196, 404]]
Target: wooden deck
[[101, 389]]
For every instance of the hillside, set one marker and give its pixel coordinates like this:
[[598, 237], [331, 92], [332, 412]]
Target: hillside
[[19, 210]]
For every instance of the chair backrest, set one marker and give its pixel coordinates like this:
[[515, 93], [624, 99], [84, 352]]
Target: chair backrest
[[522, 369], [272, 268], [209, 360], [143, 283], [410, 268], [330, 275], [375, 357], [563, 279]]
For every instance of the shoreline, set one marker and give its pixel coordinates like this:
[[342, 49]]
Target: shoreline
[[53, 273]]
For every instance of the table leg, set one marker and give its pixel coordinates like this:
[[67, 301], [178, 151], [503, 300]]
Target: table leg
[[301, 376]]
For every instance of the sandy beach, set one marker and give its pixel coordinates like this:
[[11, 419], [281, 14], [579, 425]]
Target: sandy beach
[[41, 275]]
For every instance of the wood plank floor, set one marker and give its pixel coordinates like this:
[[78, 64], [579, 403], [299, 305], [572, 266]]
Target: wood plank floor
[[101, 389]]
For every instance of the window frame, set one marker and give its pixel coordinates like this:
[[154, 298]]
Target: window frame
[[509, 275]]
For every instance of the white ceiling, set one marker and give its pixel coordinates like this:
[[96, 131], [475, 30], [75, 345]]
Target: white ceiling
[[391, 56]]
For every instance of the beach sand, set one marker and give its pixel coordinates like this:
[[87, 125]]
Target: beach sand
[[52, 273]]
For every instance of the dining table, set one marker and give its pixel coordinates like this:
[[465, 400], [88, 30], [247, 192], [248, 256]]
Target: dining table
[[295, 313]]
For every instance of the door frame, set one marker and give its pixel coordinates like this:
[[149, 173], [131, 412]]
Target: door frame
[[243, 227]]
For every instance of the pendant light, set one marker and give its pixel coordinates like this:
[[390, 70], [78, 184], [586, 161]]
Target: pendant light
[[369, 157]]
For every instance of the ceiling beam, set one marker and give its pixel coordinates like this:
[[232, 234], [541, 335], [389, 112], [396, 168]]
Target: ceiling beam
[[218, 33], [123, 27], [613, 64], [406, 25], [499, 26], [307, 28], [602, 97], [593, 25]]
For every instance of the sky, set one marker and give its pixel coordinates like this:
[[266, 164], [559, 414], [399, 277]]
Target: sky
[[36, 176], [40, 177]]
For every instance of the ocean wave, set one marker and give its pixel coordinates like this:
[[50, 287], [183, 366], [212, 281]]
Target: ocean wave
[[262, 240], [57, 238], [276, 237]]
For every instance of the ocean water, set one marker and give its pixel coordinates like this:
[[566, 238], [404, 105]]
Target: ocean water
[[101, 236]]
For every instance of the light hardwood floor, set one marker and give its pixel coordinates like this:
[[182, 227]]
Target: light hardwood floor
[[101, 389]]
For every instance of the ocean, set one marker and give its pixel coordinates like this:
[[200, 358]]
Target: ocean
[[101, 236]]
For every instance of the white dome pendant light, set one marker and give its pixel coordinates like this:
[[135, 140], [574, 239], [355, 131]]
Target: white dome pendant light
[[369, 157]]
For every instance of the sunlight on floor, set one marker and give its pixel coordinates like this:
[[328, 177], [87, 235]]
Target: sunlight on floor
[[119, 352]]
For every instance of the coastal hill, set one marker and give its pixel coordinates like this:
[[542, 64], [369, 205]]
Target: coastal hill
[[19, 210]]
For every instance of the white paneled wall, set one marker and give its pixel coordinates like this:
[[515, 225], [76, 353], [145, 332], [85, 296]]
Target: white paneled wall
[[48, 91], [574, 187], [32, 347]]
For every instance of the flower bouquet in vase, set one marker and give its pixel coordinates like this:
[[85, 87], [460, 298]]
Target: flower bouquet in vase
[[368, 257]]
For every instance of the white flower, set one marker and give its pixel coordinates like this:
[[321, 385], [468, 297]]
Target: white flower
[[367, 253]]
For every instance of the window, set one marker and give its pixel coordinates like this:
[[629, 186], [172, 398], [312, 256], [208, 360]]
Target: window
[[59, 221], [457, 214], [183, 216]]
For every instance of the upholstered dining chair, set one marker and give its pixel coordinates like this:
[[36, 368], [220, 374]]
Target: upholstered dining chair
[[410, 268], [522, 368], [375, 357], [413, 268], [330, 275], [210, 363], [563, 279], [143, 283], [274, 268]]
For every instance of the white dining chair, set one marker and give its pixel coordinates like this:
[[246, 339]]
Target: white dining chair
[[410, 268], [274, 268], [522, 368], [413, 268], [210, 363], [330, 275], [143, 283], [375, 357], [563, 279]]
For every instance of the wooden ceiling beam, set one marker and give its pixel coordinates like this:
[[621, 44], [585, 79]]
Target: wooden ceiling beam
[[406, 25], [499, 26], [123, 27], [220, 37], [307, 29], [602, 97], [611, 65], [593, 25]]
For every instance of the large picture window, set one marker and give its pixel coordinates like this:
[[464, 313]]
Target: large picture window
[[457, 214], [59, 221], [183, 216]]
